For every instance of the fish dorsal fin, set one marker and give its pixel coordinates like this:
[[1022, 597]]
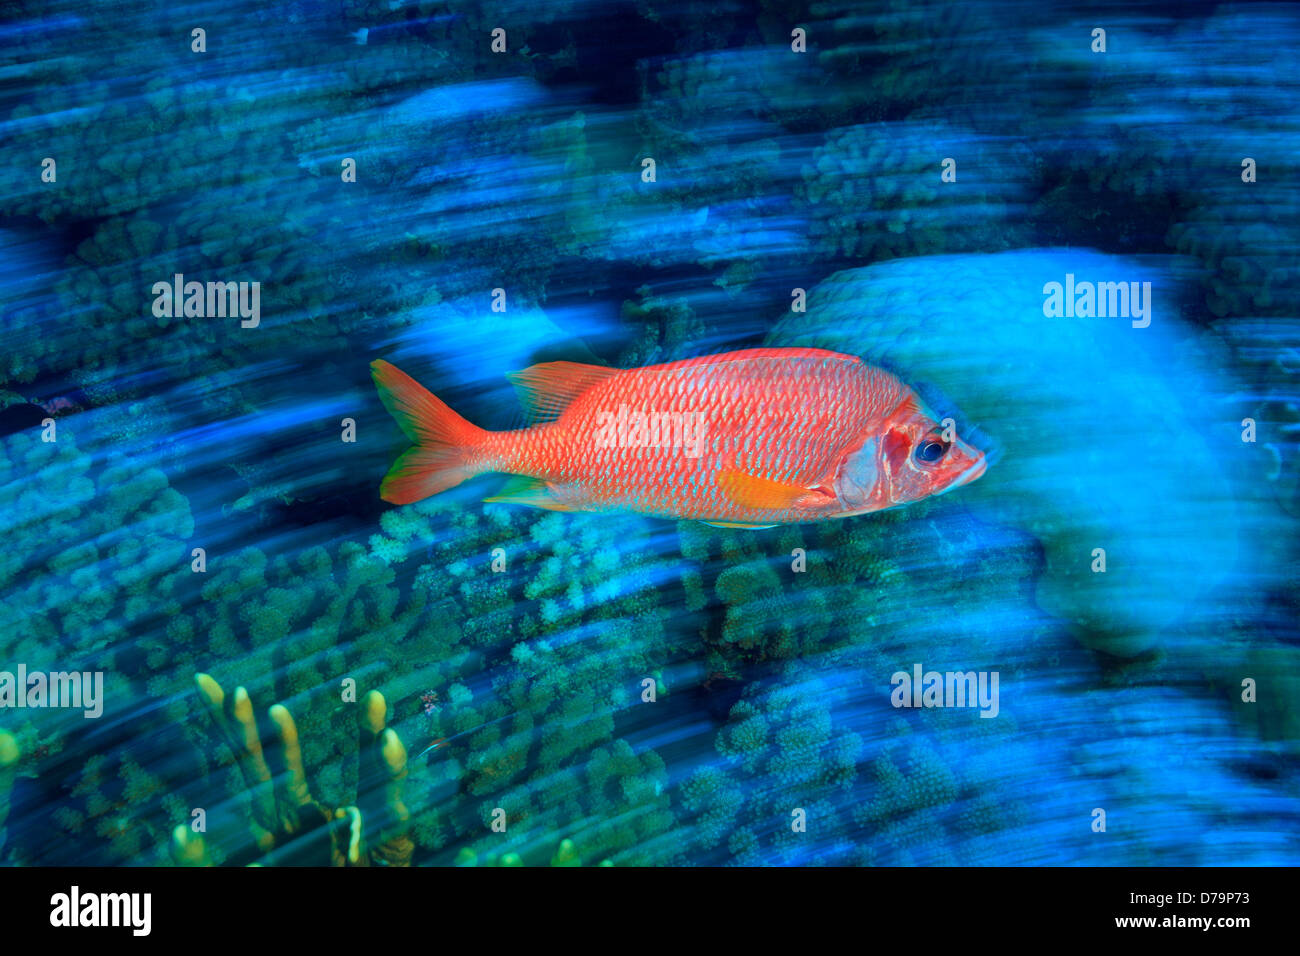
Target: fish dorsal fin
[[751, 491], [546, 390]]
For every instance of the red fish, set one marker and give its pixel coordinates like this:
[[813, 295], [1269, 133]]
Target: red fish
[[751, 439]]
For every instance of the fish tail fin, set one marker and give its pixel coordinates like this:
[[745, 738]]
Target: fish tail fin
[[443, 440]]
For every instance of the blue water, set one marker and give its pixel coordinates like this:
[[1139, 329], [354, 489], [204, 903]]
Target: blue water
[[1164, 690]]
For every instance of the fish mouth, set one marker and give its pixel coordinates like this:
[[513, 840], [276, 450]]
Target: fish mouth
[[976, 468]]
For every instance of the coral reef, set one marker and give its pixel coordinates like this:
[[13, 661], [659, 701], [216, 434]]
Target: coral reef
[[608, 690]]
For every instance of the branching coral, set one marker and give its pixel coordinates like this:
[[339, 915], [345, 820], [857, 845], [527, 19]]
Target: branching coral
[[1250, 254], [877, 191], [103, 553], [546, 721], [286, 824]]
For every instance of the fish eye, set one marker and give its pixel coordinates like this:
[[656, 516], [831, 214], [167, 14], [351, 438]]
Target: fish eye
[[931, 451]]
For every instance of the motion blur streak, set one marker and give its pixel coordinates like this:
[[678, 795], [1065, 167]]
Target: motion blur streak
[[657, 692]]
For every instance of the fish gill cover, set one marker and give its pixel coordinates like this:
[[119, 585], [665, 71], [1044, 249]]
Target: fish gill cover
[[1073, 234]]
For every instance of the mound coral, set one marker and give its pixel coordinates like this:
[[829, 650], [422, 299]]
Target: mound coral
[[1068, 490]]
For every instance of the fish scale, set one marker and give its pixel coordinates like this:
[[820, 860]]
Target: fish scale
[[780, 405]]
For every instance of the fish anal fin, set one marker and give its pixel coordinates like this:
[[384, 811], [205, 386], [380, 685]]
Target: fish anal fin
[[546, 390], [735, 524], [534, 492]]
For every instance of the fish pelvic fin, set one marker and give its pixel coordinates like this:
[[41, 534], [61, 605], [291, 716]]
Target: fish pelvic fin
[[753, 491], [546, 390], [534, 492], [443, 439]]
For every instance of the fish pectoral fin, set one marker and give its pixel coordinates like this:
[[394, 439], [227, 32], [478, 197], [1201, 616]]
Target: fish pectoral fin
[[816, 499], [733, 524], [534, 492], [751, 491], [546, 390]]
